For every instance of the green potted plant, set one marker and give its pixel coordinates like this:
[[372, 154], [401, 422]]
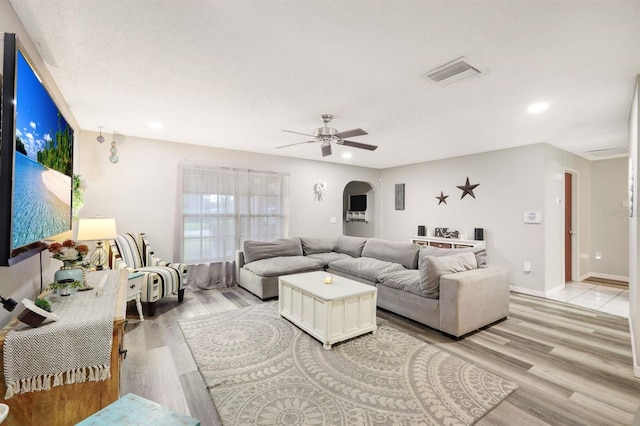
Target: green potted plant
[[65, 286], [36, 312]]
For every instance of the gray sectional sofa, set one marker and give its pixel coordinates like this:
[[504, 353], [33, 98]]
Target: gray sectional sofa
[[452, 290]]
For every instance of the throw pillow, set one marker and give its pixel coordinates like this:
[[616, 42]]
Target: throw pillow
[[317, 245], [481, 253], [256, 250], [350, 245], [433, 267], [405, 254]]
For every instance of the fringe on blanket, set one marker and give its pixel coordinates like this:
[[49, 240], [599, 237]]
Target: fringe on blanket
[[39, 383]]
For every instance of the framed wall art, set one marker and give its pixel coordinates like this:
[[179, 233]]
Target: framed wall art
[[399, 196]]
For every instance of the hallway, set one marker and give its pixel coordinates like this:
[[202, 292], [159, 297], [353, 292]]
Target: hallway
[[604, 298]]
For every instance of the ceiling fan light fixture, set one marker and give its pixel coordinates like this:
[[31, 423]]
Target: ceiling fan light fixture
[[328, 135]]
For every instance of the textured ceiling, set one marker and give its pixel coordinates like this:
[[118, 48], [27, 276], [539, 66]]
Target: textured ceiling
[[234, 73]]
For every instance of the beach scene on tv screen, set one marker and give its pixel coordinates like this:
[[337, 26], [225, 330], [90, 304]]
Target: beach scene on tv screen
[[43, 167]]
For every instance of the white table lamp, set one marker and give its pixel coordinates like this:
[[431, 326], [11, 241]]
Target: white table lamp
[[97, 229]]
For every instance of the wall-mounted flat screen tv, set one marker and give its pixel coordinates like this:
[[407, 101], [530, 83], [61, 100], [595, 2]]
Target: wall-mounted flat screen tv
[[358, 203], [36, 160]]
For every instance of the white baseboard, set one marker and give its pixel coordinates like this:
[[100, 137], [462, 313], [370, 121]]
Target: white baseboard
[[554, 290], [584, 277], [606, 276], [634, 354], [536, 293]]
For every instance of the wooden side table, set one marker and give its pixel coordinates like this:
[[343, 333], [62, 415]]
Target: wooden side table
[[67, 404], [134, 290]]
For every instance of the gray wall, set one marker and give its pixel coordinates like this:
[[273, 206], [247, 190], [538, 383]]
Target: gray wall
[[23, 280], [140, 190], [512, 181], [610, 217]]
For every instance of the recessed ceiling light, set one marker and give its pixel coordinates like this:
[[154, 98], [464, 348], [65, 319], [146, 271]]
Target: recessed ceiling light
[[346, 155], [155, 125], [537, 108]]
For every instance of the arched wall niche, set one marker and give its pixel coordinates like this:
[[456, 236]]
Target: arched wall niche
[[357, 227]]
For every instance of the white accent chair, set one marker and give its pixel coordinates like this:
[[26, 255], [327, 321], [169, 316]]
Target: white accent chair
[[133, 252]]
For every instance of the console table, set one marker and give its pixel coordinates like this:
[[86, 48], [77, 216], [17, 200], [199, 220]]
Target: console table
[[68, 404], [447, 242]]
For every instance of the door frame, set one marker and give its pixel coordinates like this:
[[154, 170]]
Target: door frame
[[575, 224]]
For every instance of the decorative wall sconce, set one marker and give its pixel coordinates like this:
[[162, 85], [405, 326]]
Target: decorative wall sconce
[[114, 158], [100, 138], [318, 190]]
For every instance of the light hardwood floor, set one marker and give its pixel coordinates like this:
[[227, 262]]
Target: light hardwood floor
[[572, 365]]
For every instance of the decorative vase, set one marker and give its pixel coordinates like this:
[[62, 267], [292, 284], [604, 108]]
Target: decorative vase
[[69, 272]]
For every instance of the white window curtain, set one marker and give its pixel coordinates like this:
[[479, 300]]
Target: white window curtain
[[218, 209]]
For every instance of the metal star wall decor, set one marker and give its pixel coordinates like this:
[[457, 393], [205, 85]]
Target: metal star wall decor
[[442, 198], [467, 188]]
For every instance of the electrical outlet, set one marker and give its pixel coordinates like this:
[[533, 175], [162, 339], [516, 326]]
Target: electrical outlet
[[527, 266]]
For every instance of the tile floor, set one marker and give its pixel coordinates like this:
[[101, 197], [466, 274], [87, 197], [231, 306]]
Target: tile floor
[[612, 300]]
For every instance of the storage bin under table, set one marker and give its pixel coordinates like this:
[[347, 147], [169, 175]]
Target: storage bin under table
[[329, 312]]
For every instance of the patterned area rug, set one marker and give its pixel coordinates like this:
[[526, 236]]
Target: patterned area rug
[[262, 370]]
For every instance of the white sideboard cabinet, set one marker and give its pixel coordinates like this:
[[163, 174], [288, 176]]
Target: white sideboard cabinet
[[447, 242]]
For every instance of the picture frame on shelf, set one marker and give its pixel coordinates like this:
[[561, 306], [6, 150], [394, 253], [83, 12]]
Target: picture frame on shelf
[[446, 233]]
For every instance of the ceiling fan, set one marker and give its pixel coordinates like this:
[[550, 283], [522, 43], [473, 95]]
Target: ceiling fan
[[327, 135]]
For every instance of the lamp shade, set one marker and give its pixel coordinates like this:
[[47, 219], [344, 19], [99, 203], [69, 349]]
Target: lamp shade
[[96, 229]]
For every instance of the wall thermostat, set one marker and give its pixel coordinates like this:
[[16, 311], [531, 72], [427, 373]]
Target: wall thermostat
[[532, 217]]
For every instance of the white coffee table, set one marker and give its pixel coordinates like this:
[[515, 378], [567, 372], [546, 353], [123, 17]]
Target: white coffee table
[[329, 312]]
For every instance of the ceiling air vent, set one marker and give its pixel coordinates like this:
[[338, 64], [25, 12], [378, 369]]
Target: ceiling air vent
[[453, 72], [601, 154]]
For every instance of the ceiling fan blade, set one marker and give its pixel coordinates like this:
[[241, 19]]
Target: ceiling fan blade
[[298, 133], [359, 145], [351, 133], [326, 150], [297, 143]]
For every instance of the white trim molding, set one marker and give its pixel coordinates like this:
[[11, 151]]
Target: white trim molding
[[636, 367], [537, 293], [606, 276]]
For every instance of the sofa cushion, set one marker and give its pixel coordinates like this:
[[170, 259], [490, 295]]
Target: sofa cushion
[[433, 267], [317, 245], [276, 266], [405, 254], [350, 245], [480, 253], [327, 258], [364, 267], [407, 280], [256, 250]]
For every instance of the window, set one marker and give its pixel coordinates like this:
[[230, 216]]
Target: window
[[222, 207]]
